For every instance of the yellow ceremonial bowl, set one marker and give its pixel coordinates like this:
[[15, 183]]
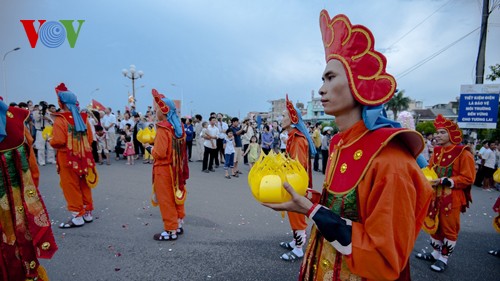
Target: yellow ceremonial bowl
[[146, 135], [47, 132], [430, 174], [267, 176]]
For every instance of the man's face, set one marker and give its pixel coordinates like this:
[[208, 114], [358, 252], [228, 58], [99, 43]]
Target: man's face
[[52, 109], [107, 111], [336, 96], [236, 123], [285, 122], [442, 137], [493, 146], [212, 121]]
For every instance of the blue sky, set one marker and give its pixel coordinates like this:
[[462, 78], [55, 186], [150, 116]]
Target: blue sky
[[233, 56]]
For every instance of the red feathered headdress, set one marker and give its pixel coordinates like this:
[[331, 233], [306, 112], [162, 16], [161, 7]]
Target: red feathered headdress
[[353, 46], [453, 131], [294, 117], [158, 98]]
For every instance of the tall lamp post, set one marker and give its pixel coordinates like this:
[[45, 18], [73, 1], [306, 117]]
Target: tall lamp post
[[133, 75], [5, 70]]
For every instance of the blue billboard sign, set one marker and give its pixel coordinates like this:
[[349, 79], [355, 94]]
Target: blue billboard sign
[[478, 109]]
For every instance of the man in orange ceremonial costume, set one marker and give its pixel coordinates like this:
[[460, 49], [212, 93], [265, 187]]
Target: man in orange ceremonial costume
[[372, 207], [299, 146], [72, 137], [455, 167], [170, 168], [24, 221]]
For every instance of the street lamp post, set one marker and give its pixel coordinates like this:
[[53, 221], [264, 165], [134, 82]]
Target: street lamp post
[[5, 70], [133, 75]]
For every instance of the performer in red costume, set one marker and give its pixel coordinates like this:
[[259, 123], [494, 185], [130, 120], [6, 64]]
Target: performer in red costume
[[299, 146], [24, 221], [170, 168], [454, 165], [72, 138], [372, 207], [496, 225]]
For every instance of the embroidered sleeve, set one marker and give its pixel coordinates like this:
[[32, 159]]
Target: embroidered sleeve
[[335, 229]]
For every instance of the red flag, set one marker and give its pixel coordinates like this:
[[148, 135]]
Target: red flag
[[97, 105]]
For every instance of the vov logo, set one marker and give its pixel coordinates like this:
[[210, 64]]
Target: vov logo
[[52, 33]]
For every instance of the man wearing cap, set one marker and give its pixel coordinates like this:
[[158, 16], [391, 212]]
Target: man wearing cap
[[170, 169], [24, 221], [72, 138], [299, 146], [455, 167], [372, 208]]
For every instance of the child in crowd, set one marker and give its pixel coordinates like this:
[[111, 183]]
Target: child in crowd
[[204, 132], [253, 151], [129, 150], [102, 144], [229, 154]]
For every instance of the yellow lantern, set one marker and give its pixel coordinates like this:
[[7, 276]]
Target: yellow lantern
[[430, 174], [270, 172], [496, 175], [47, 132], [146, 135]]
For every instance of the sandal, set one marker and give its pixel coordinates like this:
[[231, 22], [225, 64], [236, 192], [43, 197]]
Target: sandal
[[227, 177], [70, 224], [165, 236], [438, 266], [494, 253], [87, 217], [290, 256], [286, 245], [236, 175], [180, 231], [425, 257]]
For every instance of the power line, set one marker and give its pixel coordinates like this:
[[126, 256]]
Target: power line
[[419, 24], [424, 61]]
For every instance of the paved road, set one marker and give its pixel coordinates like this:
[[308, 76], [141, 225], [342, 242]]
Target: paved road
[[228, 235]]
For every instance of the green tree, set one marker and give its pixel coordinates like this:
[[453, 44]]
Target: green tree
[[398, 103], [495, 72], [426, 127]]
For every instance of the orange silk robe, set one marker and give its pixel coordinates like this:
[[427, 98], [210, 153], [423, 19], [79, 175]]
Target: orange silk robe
[[76, 191], [297, 147], [169, 174], [457, 163], [391, 200]]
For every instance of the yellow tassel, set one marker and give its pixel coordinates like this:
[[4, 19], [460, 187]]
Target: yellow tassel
[[496, 223], [430, 225], [42, 274], [92, 178]]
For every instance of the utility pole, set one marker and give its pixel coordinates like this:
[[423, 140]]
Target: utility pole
[[482, 43]]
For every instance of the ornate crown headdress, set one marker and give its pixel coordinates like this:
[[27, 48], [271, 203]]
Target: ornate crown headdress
[[453, 131], [353, 46], [294, 117], [158, 98]]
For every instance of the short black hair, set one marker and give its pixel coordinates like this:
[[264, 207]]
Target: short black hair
[[234, 119], [229, 131], [211, 118], [98, 128]]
